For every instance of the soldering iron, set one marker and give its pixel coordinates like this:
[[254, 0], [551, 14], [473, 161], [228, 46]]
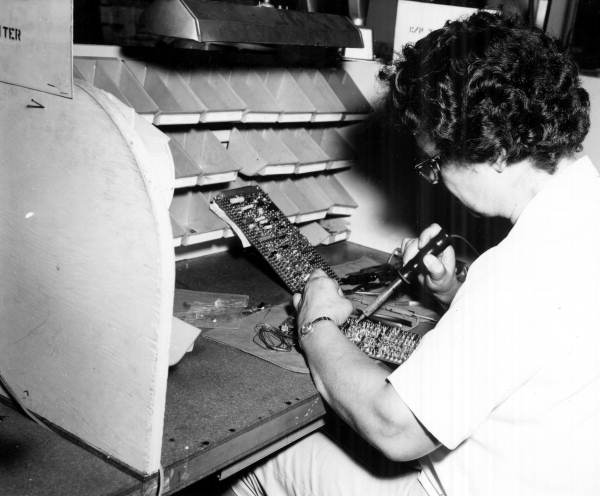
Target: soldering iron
[[409, 271]]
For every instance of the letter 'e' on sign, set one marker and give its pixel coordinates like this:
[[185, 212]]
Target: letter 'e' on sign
[[36, 43]]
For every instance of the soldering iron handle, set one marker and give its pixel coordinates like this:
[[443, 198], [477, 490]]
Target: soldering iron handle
[[409, 270], [415, 265]]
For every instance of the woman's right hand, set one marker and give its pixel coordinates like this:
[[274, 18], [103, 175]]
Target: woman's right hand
[[441, 278]]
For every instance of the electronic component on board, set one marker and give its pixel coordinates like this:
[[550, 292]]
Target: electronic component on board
[[388, 343], [380, 341], [254, 216]]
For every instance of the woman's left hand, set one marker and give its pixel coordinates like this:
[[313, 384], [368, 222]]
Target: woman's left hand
[[322, 297]]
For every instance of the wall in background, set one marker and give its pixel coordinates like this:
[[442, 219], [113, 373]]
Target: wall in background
[[591, 145]]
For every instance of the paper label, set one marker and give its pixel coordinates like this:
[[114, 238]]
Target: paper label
[[36, 42], [415, 20]]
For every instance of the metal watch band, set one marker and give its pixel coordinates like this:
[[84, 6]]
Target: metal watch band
[[308, 328]]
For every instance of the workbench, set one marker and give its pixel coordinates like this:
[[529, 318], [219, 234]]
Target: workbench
[[225, 409]]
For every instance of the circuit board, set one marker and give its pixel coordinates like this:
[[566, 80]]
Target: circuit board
[[252, 214], [388, 343], [256, 219]]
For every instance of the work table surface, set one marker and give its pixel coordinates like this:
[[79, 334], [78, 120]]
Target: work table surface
[[222, 404]]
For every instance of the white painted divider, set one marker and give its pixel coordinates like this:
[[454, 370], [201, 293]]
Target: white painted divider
[[86, 268]]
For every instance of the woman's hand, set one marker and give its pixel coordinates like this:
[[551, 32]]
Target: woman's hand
[[322, 297], [441, 278]]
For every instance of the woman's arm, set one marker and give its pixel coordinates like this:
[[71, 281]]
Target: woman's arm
[[353, 384]]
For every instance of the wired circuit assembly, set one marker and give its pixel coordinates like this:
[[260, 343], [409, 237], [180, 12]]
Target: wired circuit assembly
[[258, 222]]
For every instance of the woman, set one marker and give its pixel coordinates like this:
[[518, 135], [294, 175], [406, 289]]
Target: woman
[[503, 395]]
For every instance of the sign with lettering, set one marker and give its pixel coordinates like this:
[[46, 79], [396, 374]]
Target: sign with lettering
[[36, 43], [414, 20]]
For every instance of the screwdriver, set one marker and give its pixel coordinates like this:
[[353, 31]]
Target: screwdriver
[[409, 270]]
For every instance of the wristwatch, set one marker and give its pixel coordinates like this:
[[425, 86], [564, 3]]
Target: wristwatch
[[310, 326]]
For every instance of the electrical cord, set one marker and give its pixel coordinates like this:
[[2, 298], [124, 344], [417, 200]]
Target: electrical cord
[[466, 242], [270, 337]]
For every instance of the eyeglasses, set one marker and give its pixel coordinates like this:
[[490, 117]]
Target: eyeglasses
[[429, 169]]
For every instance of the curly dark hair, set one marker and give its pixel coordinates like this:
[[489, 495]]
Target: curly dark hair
[[488, 86]]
